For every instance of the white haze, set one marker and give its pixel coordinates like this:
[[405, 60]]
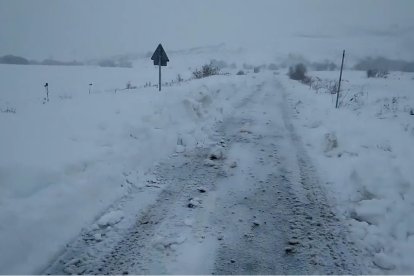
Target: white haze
[[80, 29]]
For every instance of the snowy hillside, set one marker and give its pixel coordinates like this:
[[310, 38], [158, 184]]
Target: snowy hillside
[[66, 163]]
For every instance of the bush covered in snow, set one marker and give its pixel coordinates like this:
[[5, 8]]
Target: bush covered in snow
[[206, 71]]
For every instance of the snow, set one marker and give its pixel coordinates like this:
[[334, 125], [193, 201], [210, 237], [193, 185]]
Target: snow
[[63, 163], [382, 261], [216, 153], [194, 202], [110, 219], [66, 163], [179, 149], [98, 237], [364, 153]]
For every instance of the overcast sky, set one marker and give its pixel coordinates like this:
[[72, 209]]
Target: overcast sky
[[69, 29]]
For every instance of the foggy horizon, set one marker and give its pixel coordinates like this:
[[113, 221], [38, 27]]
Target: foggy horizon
[[265, 137], [82, 30]]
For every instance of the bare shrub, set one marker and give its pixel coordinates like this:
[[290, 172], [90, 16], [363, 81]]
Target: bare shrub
[[8, 110], [353, 100], [323, 86], [130, 86], [240, 73], [298, 72], [206, 71], [179, 78]]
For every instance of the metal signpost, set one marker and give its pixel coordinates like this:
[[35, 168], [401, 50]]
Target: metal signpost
[[160, 58], [340, 79]]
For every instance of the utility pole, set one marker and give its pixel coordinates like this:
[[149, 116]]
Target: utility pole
[[340, 79]]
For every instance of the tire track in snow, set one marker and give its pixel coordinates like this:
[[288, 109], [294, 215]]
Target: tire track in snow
[[148, 246], [267, 216], [298, 233]]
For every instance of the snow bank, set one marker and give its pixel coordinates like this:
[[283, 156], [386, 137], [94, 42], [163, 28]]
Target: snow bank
[[65, 161], [110, 219], [364, 153]]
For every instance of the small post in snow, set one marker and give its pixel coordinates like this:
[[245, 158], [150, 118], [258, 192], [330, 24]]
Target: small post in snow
[[90, 87], [47, 91], [340, 79]]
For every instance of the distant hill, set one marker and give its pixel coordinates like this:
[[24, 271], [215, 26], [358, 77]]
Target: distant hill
[[10, 59]]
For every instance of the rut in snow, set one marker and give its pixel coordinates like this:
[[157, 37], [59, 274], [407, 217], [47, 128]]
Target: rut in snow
[[296, 231]]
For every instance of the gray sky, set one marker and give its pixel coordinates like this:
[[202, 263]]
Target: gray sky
[[69, 29]]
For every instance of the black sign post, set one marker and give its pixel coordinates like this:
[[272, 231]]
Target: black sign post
[[159, 72], [160, 58], [340, 79], [47, 92]]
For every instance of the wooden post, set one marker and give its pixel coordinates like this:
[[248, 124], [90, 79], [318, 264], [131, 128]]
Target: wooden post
[[90, 85], [340, 79], [159, 69], [47, 91]]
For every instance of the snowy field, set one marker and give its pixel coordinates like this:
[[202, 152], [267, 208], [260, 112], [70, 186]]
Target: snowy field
[[65, 162]]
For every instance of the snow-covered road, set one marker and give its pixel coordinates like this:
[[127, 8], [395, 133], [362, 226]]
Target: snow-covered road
[[250, 203]]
